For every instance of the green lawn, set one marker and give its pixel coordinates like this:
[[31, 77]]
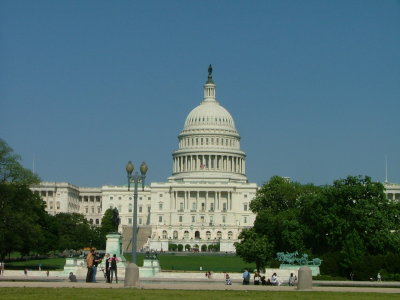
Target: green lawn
[[76, 293], [192, 262], [49, 263]]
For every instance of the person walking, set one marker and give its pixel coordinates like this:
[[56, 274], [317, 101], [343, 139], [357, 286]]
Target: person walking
[[96, 261], [89, 265], [113, 268], [246, 277], [379, 277], [257, 278], [107, 258]]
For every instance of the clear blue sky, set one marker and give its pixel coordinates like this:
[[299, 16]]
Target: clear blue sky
[[313, 86]]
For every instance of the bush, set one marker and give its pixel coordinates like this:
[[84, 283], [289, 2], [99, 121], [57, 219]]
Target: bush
[[180, 247]]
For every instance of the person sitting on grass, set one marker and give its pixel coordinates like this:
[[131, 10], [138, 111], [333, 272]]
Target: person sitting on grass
[[228, 280], [274, 279], [72, 277]]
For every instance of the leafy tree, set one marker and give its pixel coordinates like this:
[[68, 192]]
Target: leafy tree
[[74, 231], [20, 215], [277, 205], [352, 211], [254, 248], [11, 169]]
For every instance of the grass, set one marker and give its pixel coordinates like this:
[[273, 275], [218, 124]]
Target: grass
[[214, 263], [77, 293], [47, 264]]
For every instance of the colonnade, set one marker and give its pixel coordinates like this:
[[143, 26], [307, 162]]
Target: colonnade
[[202, 201], [223, 163]]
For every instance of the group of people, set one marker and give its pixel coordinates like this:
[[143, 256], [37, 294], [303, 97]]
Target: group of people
[[262, 280], [93, 260]]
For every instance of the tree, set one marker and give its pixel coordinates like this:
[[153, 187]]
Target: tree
[[254, 248], [352, 211], [74, 231], [277, 207], [20, 213], [11, 169]]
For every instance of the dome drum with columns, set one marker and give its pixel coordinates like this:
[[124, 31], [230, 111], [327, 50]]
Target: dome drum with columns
[[209, 144]]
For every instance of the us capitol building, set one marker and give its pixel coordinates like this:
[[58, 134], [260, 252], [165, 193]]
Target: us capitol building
[[204, 203]]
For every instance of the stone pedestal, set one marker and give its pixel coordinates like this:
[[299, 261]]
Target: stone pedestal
[[114, 246], [150, 268], [305, 279], [131, 276]]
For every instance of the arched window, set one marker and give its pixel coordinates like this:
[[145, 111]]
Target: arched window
[[164, 234], [208, 235], [219, 235], [197, 235], [186, 234], [230, 235], [175, 234]]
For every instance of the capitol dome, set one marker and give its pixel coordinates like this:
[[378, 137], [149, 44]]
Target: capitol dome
[[210, 115], [209, 144]]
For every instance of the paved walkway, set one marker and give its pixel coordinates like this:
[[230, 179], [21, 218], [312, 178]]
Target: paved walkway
[[178, 284]]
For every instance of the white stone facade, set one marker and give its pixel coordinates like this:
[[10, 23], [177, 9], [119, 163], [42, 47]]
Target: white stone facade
[[205, 201]]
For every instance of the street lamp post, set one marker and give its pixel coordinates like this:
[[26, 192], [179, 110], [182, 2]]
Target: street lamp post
[[132, 270]]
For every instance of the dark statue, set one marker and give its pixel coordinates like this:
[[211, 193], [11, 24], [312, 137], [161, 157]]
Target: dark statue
[[209, 70], [294, 259], [115, 220]]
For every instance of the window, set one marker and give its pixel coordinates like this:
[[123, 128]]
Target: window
[[86, 209], [130, 207], [164, 234], [110, 198], [245, 207], [203, 207], [50, 193], [180, 219], [193, 219], [245, 219], [140, 209], [208, 235], [202, 219], [224, 207], [119, 208], [223, 219], [175, 234], [160, 219], [160, 206], [212, 206], [92, 209], [181, 206], [194, 206], [91, 221], [148, 198], [230, 235], [211, 220], [161, 195], [219, 235], [140, 221], [129, 220], [97, 222], [119, 198]]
